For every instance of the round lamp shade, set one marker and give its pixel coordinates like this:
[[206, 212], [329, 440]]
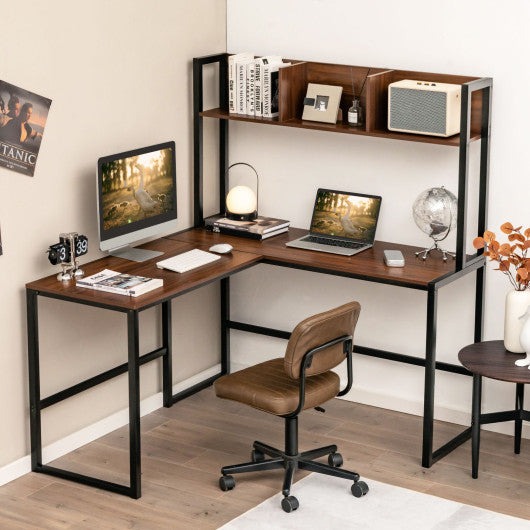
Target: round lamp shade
[[241, 203]]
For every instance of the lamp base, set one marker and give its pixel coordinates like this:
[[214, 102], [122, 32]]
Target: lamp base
[[242, 216]]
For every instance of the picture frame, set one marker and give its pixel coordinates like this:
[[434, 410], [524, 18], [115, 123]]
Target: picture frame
[[322, 103]]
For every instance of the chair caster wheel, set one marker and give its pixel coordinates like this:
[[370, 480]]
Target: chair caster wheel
[[257, 456], [335, 460], [359, 489], [289, 504], [227, 482]]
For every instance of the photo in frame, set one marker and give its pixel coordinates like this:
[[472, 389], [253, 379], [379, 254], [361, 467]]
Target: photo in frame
[[322, 103], [23, 116]]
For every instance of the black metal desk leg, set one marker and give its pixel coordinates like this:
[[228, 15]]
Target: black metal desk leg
[[430, 376], [34, 379], [519, 400], [475, 423], [167, 371], [134, 403]]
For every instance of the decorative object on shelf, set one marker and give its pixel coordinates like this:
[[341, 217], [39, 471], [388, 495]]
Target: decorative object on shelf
[[435, 212], [22, 122], [424, 107], [242, 201], [356, 112], [71, 245], [322, 103], [524, 338], [513, 263], [515, 306]]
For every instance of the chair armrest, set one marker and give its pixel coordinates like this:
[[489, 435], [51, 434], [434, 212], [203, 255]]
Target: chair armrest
[[307, 359]]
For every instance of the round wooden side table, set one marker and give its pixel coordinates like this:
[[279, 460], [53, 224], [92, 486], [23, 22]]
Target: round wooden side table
[[491, 359]]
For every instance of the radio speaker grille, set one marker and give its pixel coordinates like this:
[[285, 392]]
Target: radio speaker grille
[[418, 110]]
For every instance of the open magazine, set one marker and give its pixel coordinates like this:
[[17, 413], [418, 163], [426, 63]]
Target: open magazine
[[120, 283]]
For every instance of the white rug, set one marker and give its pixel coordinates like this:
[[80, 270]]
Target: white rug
[[326, 503]]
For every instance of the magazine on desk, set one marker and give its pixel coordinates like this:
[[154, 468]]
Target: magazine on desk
[[120, 283], [260, 228]]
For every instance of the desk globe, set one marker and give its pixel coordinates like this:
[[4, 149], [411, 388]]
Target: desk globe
[[434, 212]]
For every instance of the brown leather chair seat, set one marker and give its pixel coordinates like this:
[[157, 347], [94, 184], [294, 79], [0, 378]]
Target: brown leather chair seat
[[266, 386]]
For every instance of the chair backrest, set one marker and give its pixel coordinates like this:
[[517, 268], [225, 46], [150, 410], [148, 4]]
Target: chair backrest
[[317, 330]]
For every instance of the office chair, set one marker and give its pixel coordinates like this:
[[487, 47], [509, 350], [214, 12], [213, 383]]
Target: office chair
[[286, 386]]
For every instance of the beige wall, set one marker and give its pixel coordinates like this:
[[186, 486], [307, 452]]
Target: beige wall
[[119, 75]]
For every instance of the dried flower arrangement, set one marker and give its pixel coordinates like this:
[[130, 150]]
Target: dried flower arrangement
[[512, 256]]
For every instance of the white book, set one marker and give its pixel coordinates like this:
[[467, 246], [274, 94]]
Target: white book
[[232, 60], [119, 283], [241, 85], [271, 89], [258, 86], [250, 88]]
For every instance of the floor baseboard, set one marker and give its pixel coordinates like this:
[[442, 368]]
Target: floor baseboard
[[92, 432]]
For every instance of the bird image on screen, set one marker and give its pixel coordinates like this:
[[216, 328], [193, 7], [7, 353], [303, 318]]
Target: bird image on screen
[[136, 199]]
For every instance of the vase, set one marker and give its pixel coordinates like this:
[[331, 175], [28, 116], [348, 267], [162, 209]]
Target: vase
[[517, 303]]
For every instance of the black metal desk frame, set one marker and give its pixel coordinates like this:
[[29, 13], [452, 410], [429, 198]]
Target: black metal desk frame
[[131, 367], [464, 264]]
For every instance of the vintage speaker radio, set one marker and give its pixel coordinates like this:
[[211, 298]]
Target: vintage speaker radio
[[424, 107]]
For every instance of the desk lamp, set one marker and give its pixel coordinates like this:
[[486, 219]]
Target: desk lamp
[[241, 201]]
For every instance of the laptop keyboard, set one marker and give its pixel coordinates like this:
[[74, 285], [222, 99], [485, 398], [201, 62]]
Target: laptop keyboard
[[334, 242]]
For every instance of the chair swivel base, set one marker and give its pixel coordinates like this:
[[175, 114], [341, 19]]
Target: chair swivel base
[[281, 459]]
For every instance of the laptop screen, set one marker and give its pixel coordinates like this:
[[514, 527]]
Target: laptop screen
[[345, 215]]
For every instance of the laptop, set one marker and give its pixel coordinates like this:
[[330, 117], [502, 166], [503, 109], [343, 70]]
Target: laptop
[[342, 223]]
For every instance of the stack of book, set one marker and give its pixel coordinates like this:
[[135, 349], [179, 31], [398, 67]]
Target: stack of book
[[253, 84], [116, 282], [261, 228]]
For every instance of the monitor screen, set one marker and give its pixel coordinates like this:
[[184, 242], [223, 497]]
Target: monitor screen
[[137, 198]]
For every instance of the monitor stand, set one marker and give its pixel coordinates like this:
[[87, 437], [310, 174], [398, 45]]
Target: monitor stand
[[135, 254]]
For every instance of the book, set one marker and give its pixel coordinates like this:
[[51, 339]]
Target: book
[[247, 233], [258, 84], [250, 88], [241, 85], [271, 88], [120, 283], [232, 60], [261, 225], [261, 228]]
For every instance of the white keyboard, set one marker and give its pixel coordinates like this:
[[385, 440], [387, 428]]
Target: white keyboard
[[188, 261]]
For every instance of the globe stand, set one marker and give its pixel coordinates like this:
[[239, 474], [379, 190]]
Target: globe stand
[[423, 254], [434, 212]]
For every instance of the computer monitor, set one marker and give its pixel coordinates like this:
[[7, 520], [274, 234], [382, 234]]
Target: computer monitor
[[137, 199]]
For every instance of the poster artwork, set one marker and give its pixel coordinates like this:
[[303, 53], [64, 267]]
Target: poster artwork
[[23, 116]]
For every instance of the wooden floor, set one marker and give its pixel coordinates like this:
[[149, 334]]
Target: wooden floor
[[183, 448]]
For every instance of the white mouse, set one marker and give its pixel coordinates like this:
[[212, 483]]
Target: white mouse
[[221, 248]]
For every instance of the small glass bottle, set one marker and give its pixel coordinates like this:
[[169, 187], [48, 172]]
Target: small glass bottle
[[355, 114]]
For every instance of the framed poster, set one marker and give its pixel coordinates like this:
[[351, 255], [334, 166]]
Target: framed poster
[[23, 117]]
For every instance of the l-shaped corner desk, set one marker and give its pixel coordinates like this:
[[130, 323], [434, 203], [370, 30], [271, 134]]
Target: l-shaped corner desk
[[428, 276]]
